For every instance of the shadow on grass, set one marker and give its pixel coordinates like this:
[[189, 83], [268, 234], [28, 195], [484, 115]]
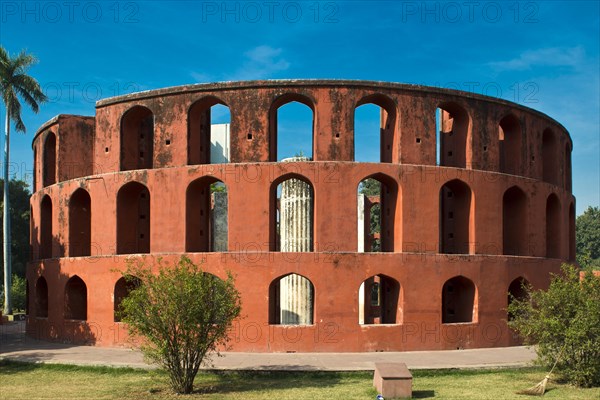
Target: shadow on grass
[[423, 394], [249, 381], [15, 367]]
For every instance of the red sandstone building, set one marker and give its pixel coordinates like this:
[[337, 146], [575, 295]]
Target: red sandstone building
[[460, 229]]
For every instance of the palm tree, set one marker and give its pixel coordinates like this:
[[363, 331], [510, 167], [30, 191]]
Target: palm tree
[[14, 83]]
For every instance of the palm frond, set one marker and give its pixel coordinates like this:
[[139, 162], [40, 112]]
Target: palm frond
[[15, 84]]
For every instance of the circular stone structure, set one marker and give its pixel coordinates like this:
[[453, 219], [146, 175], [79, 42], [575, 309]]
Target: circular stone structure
[[475, 199]]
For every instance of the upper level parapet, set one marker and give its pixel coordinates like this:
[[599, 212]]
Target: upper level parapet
[[171, 127]]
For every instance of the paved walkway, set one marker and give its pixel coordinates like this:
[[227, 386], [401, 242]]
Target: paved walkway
[[14, 345]]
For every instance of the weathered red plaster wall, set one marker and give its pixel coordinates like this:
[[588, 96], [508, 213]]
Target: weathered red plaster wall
[[335, 268]]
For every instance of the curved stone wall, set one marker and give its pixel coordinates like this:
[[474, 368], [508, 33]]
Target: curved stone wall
[[456, 236]]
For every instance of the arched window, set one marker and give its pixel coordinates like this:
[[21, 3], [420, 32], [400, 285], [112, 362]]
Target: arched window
[[568, 178], [291, 127], [553, 230], [374, 129], [209, 121], [46, 237], [49, 163], [80, 224], [35, 171], [291, 214], [378, 299], [137, 139], [122, 289], [206, 222], [133, 219], [32, 234], [291, 301], [75, 299], [377, 208], [514, 222], [41, 298], [27, 294], [572, 244], [455, 217], [458, 301], [550, 157], [517, 290], [452, 132], [509, 136]]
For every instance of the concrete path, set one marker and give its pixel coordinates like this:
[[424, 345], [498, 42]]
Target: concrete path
[[14, 345]]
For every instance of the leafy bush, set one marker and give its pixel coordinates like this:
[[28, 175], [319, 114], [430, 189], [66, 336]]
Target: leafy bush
[[183, 313], [588, 238], [564, 322], [18, 293]]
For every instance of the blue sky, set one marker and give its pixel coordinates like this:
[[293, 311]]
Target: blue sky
[[542, 54]]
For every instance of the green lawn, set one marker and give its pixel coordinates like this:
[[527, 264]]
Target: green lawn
[[45, 381]]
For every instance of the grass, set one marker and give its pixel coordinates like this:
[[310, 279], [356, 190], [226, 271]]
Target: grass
[[47, 381]]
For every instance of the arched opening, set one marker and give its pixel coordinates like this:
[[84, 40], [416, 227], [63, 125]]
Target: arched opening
[[291, 127], [122, 289], [376, 207], [206, 223], [35, 171], [452, 123], [32, 235], [572, 244], [209, 122], [378, 299], [517, 291], [509, 135], [553, 231], [49, 164], [291, 301], [75, 299], [27, 294], [133, 219], [41, 298], [291, 214], [137, 139], [568, 178], [514, 222], [80, 224], [455, 217], [374, 129], [549, 157], [458, 301], [46, 237]]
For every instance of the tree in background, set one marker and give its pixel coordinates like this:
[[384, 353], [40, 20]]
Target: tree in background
[[14, 84], [564, 322], [372, 187], [19, 222], [183, 313], [18, 293], [588, 238]]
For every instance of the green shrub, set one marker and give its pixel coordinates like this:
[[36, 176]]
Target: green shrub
[[183, 313], [18, 293], [564, 322]]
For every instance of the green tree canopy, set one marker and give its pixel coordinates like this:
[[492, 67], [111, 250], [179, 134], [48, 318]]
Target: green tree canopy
[[19, 218], [588, 238]]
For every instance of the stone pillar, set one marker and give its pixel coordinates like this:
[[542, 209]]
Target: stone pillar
[[361, 304], [219, 221], [295, 214], [296, 300], [360, 227], [295, 227]]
